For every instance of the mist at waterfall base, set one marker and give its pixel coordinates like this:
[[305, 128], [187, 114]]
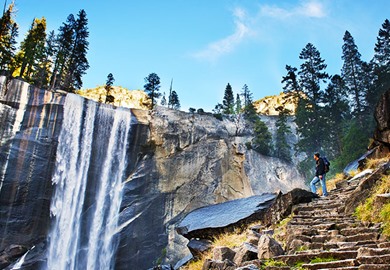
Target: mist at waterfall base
[[90, 166]]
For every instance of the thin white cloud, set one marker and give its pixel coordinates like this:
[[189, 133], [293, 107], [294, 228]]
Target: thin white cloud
[[247, 26], [226, 45], [311, 8]]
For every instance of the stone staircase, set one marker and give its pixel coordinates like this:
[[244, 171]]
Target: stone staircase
[[321, 231]]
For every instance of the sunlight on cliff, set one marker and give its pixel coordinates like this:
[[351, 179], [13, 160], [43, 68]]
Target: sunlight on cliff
[[123, 97]]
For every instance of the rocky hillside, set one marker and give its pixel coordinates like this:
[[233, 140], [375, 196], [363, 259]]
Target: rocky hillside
[[321, 234]]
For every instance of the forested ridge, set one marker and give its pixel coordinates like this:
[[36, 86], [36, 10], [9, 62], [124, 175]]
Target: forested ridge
[[334, 113]]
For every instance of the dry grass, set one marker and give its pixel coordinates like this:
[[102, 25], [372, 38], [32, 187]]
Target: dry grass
[[331, 184], [230, 240], [373, 211], [374, 163]]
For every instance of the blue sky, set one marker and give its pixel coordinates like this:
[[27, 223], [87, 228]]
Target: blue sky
[[204, 44]]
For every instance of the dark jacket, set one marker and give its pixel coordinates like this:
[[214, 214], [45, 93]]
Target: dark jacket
[[320, 167]]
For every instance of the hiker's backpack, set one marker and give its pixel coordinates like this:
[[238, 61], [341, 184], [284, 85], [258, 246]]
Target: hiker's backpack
[[326, 164]]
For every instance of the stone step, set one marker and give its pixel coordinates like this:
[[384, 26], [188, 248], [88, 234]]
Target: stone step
[[362, 237], [302, 231], [308, 207], [307, 257], [352, 247], [359, 230], [322, 221], [319, 215], [366, 251], [384, 245], [330, 265], [374, 267], [379, 259], [338, 245]]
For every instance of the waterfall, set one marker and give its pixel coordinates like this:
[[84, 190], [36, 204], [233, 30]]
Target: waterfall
[[90, 166]]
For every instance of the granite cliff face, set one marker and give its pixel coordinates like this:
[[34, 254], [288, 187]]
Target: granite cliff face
[[174, 162]]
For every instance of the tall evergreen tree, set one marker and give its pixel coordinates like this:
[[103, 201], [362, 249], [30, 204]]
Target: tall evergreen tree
[[228, 100], [246, 94], [238, 104], [174, 100], [8, 35], [290, 81], [262, 141], [152, 88], [352, 73], [65, 40], [283, 131], [249, 109], [309, 118], [32, 49], [381, 65], [77, 63], [337, 112], [42, 74], [312, 73]]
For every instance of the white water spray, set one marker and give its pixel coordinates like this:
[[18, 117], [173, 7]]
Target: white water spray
[[91, 159]]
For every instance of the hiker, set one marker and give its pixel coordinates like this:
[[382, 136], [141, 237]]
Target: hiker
[[320, 175]]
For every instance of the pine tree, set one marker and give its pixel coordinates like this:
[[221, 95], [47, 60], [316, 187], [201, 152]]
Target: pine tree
[[283, 131], [238, 104], [152, 87], [352, 72], [381, 65], [42, 74], [8, 35], [32, 49], [290, 81], [65, 40], [309, 116], [108, 87], [174, 100], [246, 94], [249, 109], [337, 112], [312, 73], [262, 141], [77, 63], [228, 100]]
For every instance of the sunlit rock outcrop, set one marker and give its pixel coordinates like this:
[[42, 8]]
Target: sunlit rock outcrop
[[272, 105]]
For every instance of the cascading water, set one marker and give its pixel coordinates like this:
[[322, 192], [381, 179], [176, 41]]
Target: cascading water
[[91, 161]]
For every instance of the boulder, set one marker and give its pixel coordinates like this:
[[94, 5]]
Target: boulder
[[199, 246], [246, 252], [214, 265], [222, 253], [206, 222], [268, 247]]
